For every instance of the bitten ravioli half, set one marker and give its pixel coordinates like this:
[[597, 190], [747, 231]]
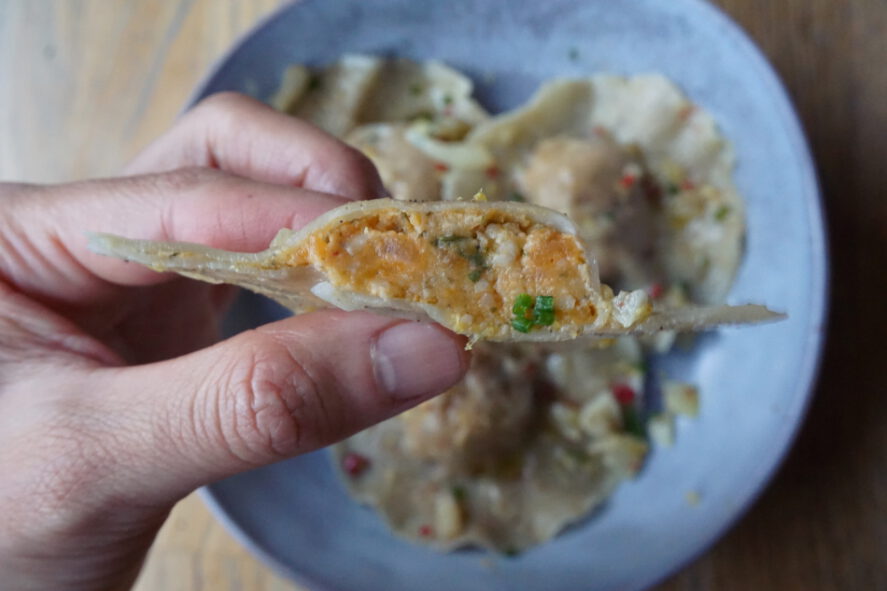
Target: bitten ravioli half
[[491, 271]]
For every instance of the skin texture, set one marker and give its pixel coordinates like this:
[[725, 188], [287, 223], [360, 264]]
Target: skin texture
[[115, 398]]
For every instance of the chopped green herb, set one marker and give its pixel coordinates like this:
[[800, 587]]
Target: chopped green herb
[[522, 304], [459, 493], [475, 258], [447, 100], [543, 318], [314, 81], [545, 303], [415, 89], [529, 313], [449, 239], [642, 366], [470, 252], [515, 196], [672, 189], [722, 213], [543, 312], [521, 324], [633, 421]]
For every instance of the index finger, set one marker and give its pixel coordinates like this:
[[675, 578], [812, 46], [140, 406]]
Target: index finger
[[245, 137], [43, 229]]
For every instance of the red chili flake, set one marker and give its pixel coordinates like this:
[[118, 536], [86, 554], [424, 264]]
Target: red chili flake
[[623, 393], [492, 171], [656, 291], [600, 130], [441, 167], [688, 185], [628, 181], [685, 112], [425, 531], [354, 464]]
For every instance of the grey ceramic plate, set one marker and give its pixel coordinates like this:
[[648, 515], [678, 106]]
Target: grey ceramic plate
[[755, 381]]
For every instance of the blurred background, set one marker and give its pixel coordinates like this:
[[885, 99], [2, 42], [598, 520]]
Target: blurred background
[[85, 84]]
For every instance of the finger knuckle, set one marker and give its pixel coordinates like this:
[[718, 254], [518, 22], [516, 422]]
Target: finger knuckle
[[271, 399], [188, 179]]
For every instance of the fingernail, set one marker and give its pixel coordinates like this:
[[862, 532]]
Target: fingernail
[[417, 360]]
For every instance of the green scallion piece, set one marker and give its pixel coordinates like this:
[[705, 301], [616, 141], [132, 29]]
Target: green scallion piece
[[545, 303], [522, 304], [476, 258], [543, 312], [633, 421], [543, 318], [450, 239], [521, 324], [529, 312], [722, 213]]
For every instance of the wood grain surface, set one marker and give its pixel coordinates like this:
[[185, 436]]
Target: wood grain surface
[[84, 84]]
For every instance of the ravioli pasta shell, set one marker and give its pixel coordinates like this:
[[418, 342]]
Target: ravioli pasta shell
[[362, 89]]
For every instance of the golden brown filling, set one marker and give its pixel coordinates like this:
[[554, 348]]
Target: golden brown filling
[[471, 264]]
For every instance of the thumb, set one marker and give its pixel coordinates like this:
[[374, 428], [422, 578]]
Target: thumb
[[268, 394]]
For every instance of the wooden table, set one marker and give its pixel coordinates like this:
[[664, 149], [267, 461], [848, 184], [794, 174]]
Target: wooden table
[[85, 83]]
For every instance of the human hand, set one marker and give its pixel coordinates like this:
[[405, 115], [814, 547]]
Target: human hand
[[114, 403]]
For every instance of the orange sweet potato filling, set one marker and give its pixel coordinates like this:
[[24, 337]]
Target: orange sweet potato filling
[[471, 264]]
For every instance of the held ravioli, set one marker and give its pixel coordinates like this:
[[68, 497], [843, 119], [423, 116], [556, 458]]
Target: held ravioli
[[477, 268]]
